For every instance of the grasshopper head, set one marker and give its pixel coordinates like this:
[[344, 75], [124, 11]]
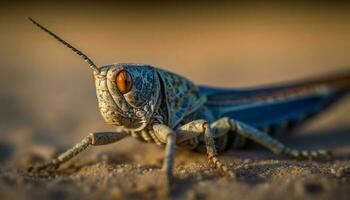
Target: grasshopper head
[[127, 94]]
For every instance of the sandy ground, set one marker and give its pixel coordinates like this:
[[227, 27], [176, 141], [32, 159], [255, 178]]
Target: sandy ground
[[131, 170], [48, 103]]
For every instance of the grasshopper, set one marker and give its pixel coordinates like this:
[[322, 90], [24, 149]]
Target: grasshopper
[[154, 105]]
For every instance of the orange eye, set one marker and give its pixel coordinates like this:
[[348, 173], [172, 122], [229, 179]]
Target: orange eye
[[123, 81]]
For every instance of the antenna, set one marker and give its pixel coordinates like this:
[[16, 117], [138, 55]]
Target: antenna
[[77, 51]]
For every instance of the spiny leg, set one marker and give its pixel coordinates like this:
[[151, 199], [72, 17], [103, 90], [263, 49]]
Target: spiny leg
[[309, 154], [168, 136], [198, 127], [212, 153], [273, 144], [99, 138]]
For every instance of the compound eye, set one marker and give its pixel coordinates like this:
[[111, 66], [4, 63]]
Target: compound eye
[[123, 81]]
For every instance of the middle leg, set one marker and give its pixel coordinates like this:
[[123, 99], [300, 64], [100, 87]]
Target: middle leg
[[196, 128]]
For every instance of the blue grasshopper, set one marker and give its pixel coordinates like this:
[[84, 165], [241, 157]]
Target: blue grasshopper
[[157, 106]]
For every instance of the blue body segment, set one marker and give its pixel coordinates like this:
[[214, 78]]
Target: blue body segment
[[271, 105]]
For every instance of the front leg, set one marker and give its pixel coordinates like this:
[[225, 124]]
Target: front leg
[[167, 135], [98, 138]]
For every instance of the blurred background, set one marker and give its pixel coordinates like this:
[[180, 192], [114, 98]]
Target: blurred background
[[46, 91]]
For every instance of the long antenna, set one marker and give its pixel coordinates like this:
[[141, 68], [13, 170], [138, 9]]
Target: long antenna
[[77, 51]]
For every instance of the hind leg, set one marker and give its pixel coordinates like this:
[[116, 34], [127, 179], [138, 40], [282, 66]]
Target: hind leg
[[221, 126]]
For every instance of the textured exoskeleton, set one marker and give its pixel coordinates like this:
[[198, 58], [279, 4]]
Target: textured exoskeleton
[[157, 106]]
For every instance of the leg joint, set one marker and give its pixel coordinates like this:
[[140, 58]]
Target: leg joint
[[205, 125], [233, 126]]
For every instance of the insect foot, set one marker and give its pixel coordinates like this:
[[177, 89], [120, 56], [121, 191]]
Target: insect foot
[[47, 166], [223, 170], [305, 154], [166, 185]]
